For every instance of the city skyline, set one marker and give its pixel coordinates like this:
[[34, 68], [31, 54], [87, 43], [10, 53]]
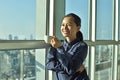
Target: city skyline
[[17, 37]]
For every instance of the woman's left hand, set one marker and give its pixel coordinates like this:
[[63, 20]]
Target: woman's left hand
[[81, 68], [55, 42]]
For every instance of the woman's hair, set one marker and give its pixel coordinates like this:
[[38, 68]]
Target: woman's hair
[[77, 21]]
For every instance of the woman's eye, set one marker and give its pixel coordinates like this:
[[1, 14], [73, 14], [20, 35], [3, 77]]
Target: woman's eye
[[69, 24], [62, 24]]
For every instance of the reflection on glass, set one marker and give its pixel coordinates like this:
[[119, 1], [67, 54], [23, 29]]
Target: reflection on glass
[[104, 20], [79, 7], [10, 64], [29, 64], [17, 19], [103, 62]]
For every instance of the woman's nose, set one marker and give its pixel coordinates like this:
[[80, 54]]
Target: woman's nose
[[66, 26]]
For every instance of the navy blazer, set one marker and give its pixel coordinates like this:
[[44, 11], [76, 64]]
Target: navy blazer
[[66, 60]]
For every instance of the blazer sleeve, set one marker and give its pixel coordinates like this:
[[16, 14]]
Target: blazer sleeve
[[52, 62], [69, 61], [73, 58]]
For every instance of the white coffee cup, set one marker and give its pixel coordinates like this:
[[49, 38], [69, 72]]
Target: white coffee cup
[[47, 38]]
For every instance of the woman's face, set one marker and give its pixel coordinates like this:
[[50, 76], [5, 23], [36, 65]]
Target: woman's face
[[69, 28]]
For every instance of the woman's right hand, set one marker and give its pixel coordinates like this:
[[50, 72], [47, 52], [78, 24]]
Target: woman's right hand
[[55, 42]]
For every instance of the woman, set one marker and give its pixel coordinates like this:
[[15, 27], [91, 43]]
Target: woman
[[66, 57]]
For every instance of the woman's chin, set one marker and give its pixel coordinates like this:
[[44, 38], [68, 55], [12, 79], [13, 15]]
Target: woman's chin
[[65, 35]]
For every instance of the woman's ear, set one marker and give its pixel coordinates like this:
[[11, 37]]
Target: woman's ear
[[79, 28]]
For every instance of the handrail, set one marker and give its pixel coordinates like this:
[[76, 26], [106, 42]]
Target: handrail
[[39, 44]]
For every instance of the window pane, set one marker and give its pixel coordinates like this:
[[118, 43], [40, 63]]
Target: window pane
[[104, 20], [11, 64], [29, 64], [17, 19], [79, 7], [103, 62]]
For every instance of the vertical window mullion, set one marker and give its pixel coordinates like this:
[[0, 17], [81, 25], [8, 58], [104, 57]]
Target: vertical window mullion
[[115, 26], [116, 20], [22, 65], [41, 25], [93, 39], [51, 18], [51, 29]]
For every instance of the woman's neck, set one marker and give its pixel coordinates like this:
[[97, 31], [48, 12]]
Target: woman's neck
[[70, 39]]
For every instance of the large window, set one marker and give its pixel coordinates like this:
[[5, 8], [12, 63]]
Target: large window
[[15, 64], [23, 24], [17, 22], [98, 27], [104, 32], [103, 62], [104, 14], [22, 46]]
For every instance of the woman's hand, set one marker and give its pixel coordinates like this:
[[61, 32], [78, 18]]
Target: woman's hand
[[55, 42], [81, 68]]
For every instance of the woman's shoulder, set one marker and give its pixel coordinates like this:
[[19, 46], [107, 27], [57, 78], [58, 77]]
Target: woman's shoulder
[[82, 43]]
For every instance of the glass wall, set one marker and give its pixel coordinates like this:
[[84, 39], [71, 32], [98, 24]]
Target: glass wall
[[104, 29], [17, 19], [103, 62], [22, 64], [26, 20], [15, 64], [22, 25]]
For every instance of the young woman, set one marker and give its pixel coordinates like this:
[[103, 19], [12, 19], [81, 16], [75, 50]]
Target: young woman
[[66, 57]]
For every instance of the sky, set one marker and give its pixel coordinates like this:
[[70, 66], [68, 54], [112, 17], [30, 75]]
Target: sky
[[82, 11], [104, 19], [104, 16], [17, 17]]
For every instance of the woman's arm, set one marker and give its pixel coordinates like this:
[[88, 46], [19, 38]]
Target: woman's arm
[[66, 61], [52, 63], [72, 59]]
